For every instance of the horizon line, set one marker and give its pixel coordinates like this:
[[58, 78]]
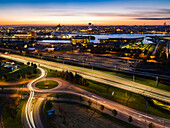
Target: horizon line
[[80, 25]]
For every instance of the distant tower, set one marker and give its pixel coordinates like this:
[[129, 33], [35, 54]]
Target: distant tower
[[164, 23], [58, 27], [165, 26], [90, 27]]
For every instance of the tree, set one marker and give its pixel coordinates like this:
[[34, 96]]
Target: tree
[[28, 63], [35, 66], [89, 102], [48, 105], [114, 112], [130, 119], [35, 71], [78, 78], [151, 125], [102, 108], [71, 76]]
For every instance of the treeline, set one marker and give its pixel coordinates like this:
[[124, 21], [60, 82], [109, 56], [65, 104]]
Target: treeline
[[75, 78]]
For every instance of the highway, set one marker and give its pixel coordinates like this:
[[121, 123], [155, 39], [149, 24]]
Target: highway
[[33, 106], [99, 76], [140, 118]]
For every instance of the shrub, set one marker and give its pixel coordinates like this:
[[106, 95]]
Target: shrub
[[114, 112], [130, 119]]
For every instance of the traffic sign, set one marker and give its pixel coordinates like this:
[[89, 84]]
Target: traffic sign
[[51, 112]]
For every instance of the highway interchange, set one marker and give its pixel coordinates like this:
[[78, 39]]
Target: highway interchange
[[140, 118], [99, 76]]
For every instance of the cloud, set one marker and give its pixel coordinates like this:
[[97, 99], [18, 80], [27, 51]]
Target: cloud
[[152, 18], [56, 15], [118, 14], [159, 12], [122, 15], [146, 12]]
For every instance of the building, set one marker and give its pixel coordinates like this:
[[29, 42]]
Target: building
[[28, 35], [120, 41], [10, 65], [31, 49], [58, 27], [33, 34], [22, 35], [47, 49], [80, 40]]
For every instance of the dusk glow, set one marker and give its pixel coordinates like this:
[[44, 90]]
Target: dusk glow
[[85, 63], [110, 12]]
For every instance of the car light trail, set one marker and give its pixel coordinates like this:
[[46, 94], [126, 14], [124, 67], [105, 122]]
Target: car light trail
[[28, 110]]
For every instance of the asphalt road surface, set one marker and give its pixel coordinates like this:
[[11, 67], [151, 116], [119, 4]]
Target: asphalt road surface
[[139, 118], [99, 76]]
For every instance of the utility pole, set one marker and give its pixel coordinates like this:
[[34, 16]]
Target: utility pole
[[63, 65], [157, 81], [46, 80], [133, 78], [146, 106]]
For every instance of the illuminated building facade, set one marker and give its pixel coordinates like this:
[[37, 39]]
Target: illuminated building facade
[[120, 41], [80, 40]]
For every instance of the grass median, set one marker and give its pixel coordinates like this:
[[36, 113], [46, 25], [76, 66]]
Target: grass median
[[47, 84]]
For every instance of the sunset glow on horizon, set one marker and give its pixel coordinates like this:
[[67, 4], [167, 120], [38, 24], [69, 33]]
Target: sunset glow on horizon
[[110, 12]]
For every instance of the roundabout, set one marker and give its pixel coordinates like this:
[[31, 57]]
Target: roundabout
[[34, 107], [47, 84]]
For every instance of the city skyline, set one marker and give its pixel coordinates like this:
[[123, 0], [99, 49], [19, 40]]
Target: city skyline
[[98, 12]]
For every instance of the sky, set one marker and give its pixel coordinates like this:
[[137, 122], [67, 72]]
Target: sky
[[81, 12]]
